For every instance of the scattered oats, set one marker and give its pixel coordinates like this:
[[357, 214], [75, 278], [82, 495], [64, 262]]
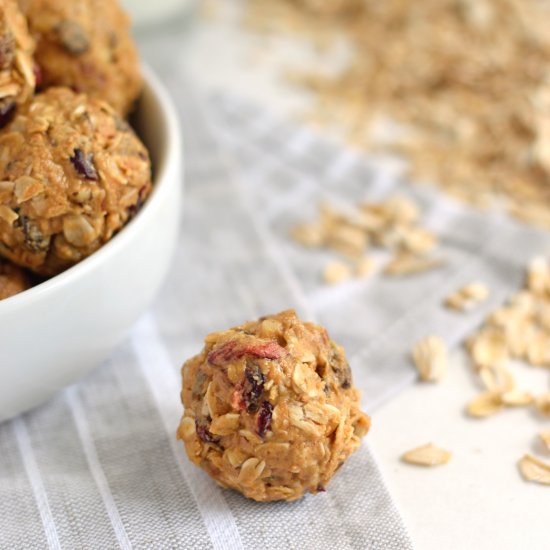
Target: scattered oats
[[308, 234], [427, 455], [391, 224], [478, 128], [538, 276], [516, 398], [497, 378], [533, 469], [537, 348], [488, 347], [430, 358], [545, 438], [402, 210], [524, 302], [467, 297], [405, 263], [542, 402], [347, 240], [372, 217], [542, 315], [336, 272], [519, 334], [364, 267], [486, 404], [418, 240]]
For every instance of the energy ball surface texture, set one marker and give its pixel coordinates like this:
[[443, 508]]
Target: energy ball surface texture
[[86, 45], [12, 279], [17, 75], [270, 408], [72, 173]]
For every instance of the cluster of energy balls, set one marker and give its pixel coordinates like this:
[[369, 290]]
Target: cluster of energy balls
[[270, 408], [72, 170]]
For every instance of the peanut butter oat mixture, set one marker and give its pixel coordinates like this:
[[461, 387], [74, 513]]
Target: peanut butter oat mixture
[[86, 45], [17, 76], [72, 173], [270, 408], [12, 279]]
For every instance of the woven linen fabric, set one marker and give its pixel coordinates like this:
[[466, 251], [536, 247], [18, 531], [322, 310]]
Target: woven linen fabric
[[99, 467]]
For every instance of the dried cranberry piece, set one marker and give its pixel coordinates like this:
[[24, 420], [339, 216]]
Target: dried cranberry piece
[[233, 350], [7, 111], [38, 76], [237, 400], [84, 164], [321, 488], [202, 431], [264, 418], [253, 388]]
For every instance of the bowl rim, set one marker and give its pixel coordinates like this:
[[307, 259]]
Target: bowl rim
[[160, 189]]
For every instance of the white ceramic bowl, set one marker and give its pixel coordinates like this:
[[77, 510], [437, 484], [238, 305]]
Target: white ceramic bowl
[[55, 332], [146, 13]]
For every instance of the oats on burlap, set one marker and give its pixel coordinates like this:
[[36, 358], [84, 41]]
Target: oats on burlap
[[427, 455], [545, 438]]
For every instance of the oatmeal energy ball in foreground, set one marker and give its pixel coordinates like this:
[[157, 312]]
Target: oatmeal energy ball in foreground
[[86, 45], [17, 77], [12, 279], [72, 173], [270, 408]]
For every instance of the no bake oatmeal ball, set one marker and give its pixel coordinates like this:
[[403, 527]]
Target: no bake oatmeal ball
[[17, 73], [86, 45], [270, 408], [72, 173], [12, 279]]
